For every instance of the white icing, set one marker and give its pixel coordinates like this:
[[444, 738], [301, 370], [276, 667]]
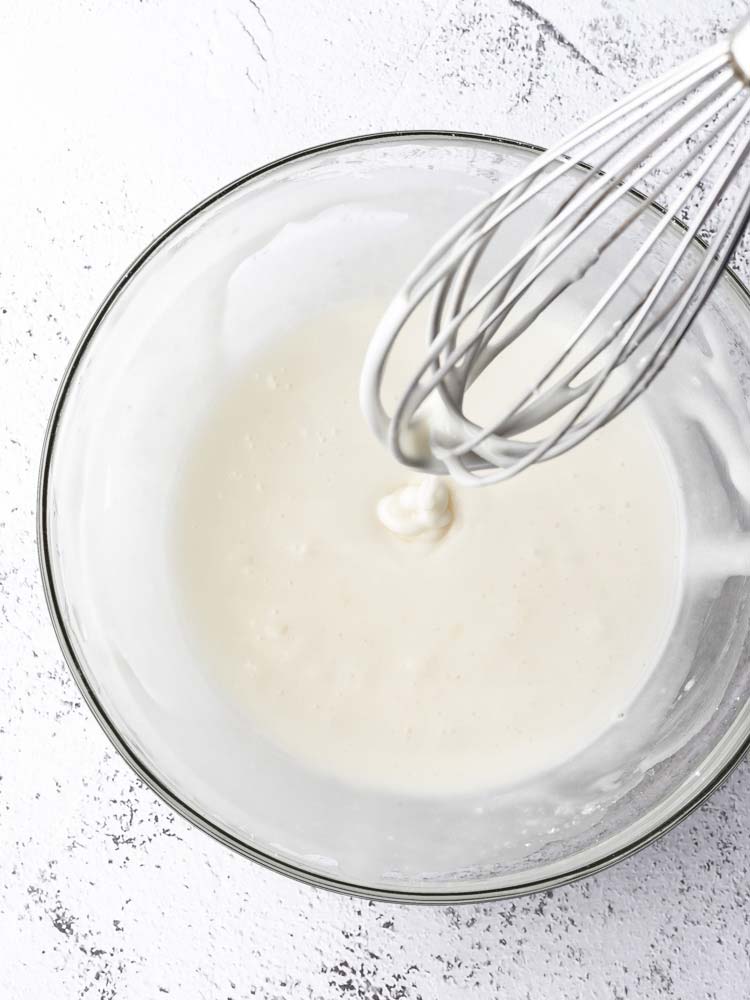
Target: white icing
[[417, 510], [371, 637]]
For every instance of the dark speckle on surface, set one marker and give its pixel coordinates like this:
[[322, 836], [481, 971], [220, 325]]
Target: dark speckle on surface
[[62, 920], [548, 29]]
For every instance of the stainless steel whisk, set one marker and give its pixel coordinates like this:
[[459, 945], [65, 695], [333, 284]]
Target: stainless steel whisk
[[680, 140]]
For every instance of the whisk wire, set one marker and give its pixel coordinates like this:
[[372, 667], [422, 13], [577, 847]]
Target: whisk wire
[[446, 337], [671, 137], [500, 425]]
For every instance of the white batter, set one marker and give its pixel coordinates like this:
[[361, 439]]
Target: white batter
[[398, 632]]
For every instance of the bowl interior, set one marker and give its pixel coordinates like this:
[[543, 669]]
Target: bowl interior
[[340, 224]]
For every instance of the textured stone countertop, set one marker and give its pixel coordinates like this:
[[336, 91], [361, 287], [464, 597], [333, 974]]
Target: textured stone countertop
[[116, 116]]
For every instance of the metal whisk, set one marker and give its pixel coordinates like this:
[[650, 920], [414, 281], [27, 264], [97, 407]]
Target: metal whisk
[[683, 141]]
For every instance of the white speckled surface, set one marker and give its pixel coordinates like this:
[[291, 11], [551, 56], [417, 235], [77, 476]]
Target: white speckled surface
[[118, 115]]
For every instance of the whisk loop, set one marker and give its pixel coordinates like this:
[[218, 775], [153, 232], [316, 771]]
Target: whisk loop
[[682, 141]]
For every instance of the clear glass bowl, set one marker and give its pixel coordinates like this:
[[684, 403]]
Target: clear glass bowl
[[139, 381]]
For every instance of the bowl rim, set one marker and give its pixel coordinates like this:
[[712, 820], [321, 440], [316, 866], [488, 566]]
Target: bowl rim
[[118, 740]]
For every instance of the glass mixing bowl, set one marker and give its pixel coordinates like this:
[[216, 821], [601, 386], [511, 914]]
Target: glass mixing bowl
[[146, 370]]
